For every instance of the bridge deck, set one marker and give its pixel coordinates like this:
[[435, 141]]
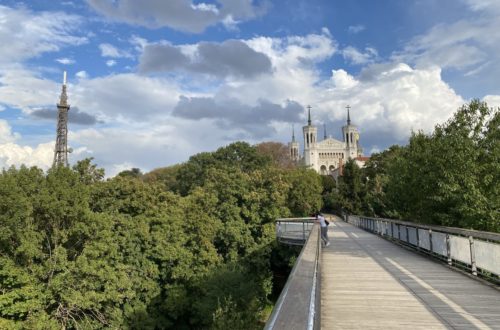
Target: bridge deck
[[370, 283]]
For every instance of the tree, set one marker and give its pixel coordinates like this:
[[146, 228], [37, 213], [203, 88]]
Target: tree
[[132, 173], [351, 187], [278, 152], [304, 196], [448, 177], [166, 176]]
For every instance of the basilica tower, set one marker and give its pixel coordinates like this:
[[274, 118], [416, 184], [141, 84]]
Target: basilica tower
[[350, 135], [294, 148], [61, 149], [310, 137]]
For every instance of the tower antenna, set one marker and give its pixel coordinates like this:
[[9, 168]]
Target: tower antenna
[[348, 115], [61, 149], [309, 115]]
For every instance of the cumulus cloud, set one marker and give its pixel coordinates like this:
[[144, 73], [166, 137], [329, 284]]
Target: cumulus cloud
[[14, 154], [22, 88], [125, 97], [355, 28], [75, 116], [6, 134], [30, 34], [354, 56], [110, 63], [466, 45], [229, 58], [256, 120], [482, 5], [162, 120], [181, 15], [81, 75], [65, 61], [108, 50], [391, 100], [492, 100]]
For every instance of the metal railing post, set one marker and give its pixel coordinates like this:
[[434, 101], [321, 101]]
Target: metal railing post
[[304, 231], [418, 238], [472, 256], [430, 240], [448, 249]]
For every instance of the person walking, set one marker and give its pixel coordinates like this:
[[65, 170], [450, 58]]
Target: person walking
[[324, 228]]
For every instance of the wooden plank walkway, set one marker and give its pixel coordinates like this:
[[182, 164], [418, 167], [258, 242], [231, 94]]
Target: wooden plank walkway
[[370, 283]]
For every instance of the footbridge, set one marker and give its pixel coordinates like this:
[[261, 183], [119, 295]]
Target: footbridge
[[387, 274]]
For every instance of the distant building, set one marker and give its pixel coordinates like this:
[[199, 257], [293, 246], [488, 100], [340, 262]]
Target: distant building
[[327, 155]]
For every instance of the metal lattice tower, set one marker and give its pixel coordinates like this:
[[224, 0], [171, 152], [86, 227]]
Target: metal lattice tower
[[61, 150]]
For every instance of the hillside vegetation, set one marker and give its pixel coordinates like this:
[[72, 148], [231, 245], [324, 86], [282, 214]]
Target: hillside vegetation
[[189, 246]]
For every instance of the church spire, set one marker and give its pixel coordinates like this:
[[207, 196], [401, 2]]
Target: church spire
[[348, 115], [324, 128], [309, 115], [293, 133]]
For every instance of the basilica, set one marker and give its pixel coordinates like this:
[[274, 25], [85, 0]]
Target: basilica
[[328, 155]]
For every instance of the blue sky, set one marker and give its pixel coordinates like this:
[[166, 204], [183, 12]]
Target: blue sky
[[152, 82]]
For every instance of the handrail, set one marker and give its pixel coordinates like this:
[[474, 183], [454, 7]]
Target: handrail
[[298, 306], [484, 235], [477, 252], [293, 231]]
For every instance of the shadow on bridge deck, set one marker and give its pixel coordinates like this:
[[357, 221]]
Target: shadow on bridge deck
[[370, 283]]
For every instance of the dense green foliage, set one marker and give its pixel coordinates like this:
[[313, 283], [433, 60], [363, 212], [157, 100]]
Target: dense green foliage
[[184, 247], [450, 177]]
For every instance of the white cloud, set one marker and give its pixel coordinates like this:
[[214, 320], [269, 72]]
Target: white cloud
[[30, 34], [205, 7], [6, 134], [230, 23], [492, 100], [110, 63], [138, 42], [392, 99], [65, 61], [179, 14], [465, 45], [388, 100], [14, 154], [81, 75], [342, 80], [356, 57], [125, 97], [108, 50], [484, 5], [355, 28], [22, 88]]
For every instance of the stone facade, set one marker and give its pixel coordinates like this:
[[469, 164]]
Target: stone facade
[[328, 154]]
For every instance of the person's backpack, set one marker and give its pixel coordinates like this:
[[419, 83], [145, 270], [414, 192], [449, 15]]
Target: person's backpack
[[327, 222]]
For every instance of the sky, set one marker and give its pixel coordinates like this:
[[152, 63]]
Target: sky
[[152, 82]]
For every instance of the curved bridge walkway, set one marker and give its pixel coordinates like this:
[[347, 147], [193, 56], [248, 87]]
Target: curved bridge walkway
[[370, 283]]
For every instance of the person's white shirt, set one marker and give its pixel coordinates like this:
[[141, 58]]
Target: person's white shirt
[[322, 221]]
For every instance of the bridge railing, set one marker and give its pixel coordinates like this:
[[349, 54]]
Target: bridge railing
[[474, 251], [293, 231], [299, 304]]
